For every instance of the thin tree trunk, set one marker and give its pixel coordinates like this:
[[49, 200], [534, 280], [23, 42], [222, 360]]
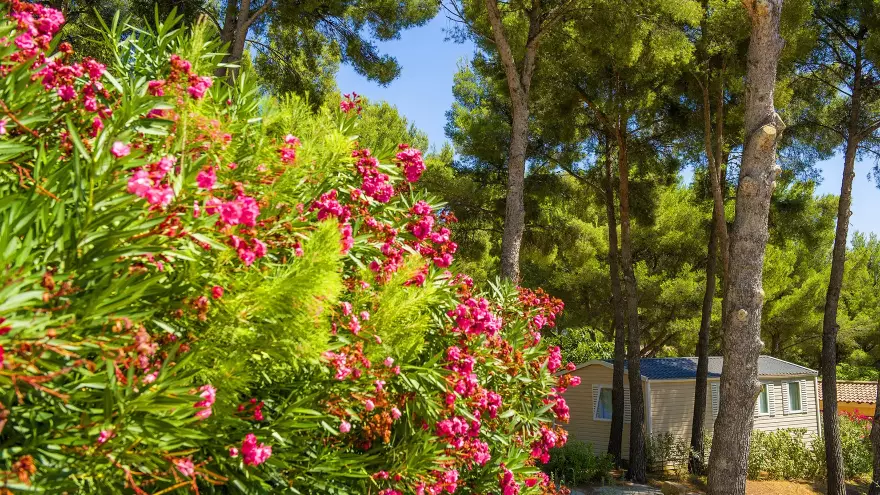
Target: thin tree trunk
[[715, 170], [698, 454], [833, 450], [637, 461], [728, 460], [518, 83], [875, 441], [615, 440]]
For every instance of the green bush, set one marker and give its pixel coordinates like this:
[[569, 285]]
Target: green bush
[[790, 455], [667, 452], [575, 464], [205, 290], [784, 455], [856, 445]]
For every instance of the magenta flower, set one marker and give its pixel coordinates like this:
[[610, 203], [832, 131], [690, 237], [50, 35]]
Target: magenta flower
[[139, 183], [120, 149], [185, 466], [2, 126], [368, 405], [156, 88], [389, 362], [233, 452], [206, 178], [395, 413], [198, 86], [104, 436], [216, 292], [254, 453], [345, 427]]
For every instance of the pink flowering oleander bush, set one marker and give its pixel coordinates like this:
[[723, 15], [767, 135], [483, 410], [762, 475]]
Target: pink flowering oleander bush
[[208, 290]]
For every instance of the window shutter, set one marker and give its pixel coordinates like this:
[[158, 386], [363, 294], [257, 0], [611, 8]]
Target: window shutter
[[715, 399], [771, 399], [785, 392], [803, 395], [627, 409], [757, 410], [595, 399]]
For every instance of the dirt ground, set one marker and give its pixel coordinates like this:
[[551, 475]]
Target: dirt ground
[[794, 488], [697, 486]]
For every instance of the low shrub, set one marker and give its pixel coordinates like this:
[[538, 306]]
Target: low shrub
[[784, 455], [667, 452], [855, 441], [575, 464], [791, 455]]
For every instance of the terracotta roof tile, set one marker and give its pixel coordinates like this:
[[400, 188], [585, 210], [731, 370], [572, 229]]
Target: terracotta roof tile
[[861, 392]]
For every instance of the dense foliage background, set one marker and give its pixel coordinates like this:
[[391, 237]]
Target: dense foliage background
[[207, 289]]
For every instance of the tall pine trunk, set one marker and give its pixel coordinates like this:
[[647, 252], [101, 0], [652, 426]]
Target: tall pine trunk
[[831, 427], [875, 441], [698, 454], [615, 440], [519, 80], [637, 461], [227, 32], [728, 460], [514, 211], [241, 29]]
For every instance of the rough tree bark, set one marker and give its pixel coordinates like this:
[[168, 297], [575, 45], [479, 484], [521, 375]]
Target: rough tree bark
[[518, 84], [698, 457], [615, 440], [637, 462], [742, 306], [875, 441], [237, 21], [830, 425]]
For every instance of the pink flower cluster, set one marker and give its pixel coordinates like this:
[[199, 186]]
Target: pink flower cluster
[[39, 24], [351, 102], [253, 452], [148, 182], [473, 317], [508, 484], [446, 481], [436, 245], [208, 394], [410, 159], [288, 150], [339, 362], [548, 440], [207, 178], [241, 210], [328, 206], [554, 359], [248, 252], [375, 184], [104, 436], [185, 466]]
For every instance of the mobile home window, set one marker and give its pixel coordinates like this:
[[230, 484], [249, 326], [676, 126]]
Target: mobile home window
[[764, 400], [794, 397], [605, 405]]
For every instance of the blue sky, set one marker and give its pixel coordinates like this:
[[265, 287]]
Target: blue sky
[[423, 93]]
